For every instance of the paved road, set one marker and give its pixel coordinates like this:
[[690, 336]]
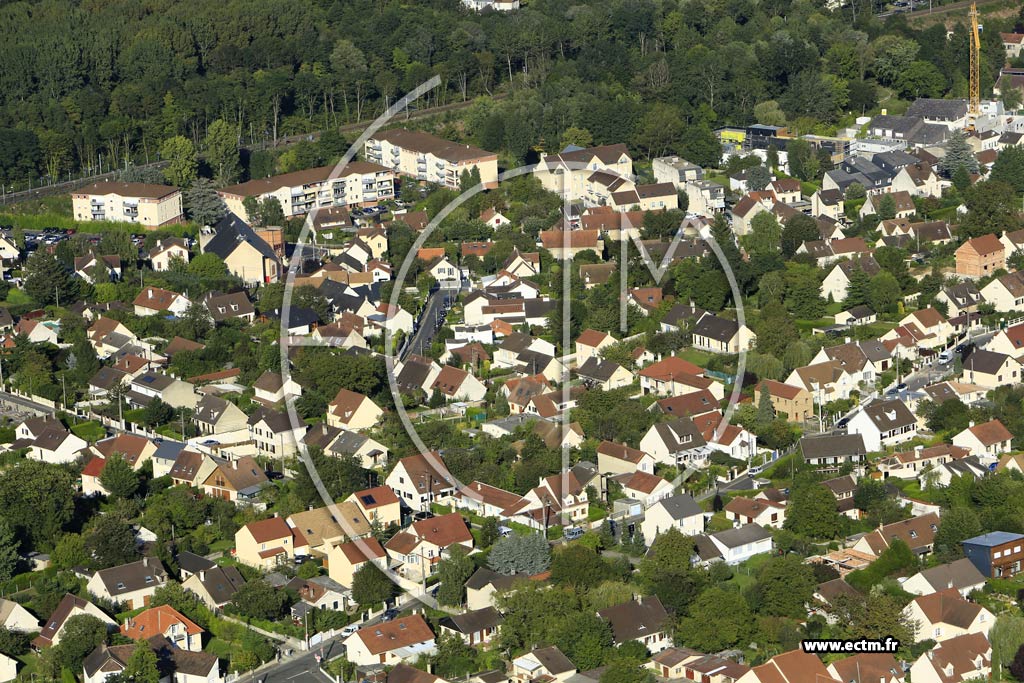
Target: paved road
[[25, 404], [301, 669], [428, 322]]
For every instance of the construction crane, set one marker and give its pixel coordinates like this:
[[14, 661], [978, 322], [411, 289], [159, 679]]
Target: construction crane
[[974, 106]]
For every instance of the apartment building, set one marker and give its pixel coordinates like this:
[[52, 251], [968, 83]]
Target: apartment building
[[359, 183], [573, 171], [429, 158], [142, 203]]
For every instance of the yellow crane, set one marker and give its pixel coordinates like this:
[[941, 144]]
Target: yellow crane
[[974, 106]]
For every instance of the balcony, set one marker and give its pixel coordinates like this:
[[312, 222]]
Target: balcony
[[375, 146]]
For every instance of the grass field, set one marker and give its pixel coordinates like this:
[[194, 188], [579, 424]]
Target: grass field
[[90, 431]]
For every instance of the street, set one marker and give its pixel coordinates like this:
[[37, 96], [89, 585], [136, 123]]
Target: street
[[301, 668], [428, 322]]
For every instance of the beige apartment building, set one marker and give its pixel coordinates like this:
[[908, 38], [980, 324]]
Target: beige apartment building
[[359, 183], [147, 205], [429, 158], [575, 173]]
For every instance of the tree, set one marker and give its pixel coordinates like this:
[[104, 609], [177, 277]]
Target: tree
[[203, 203], [13, 643], [957, 525], [453, 572], [784, 585], [921, 79], [1017, 665], [796, 230], [812, 512], [854, 191], [489, 532], [8, 551], [142, 666], [36, 500], [259, 600], [182, 161], [883, 293], [758, 178], [157, 413], [111, 541], [47, 281], [719, 619], [221, 147], [765, 235], [1009, 168], [626, 671], [371, 586], [765, 411], [958, 154], [858, 287], [578, 566], [992, 207], [515, 554], [873, 616], [584, 639], [118, 477], [82, 634]]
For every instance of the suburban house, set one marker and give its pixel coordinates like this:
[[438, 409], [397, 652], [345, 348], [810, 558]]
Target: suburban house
[[867, 667], [546, 664], [957, 660], [238, 480], [945, 614], [389, 643], [990, 370], [680, 512], [793, 402], [767, 513], [345, 559], [568, 172], [419, 481], [246, 254], [215, 415], [379, 505], [166, 252], [154, 300], [474, 627], [146, 204], [960, 574], [910, 464], [267, 543], [14, 617], [883, 424], [989, 439], [173, 663], [720, 335], [917, 532], [618, 458], [270, 388], [590, 343], [643, 620], [676, 442], [980, 256], [737, 545], [996, 554], [164, 620], [795, 666], [417, 550], [215, 586], [69, 606], [131, 584], [837, 281]]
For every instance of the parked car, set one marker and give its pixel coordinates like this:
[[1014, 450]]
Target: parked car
[[349, 630], [572, 533], [389, 614]]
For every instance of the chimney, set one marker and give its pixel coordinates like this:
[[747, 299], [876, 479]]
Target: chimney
[[202, 575], [145, 561], [234, 464], [150, 293], [848, 340], [970, 425]]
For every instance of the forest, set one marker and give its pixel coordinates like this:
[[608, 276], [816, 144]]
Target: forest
[[96, 84]]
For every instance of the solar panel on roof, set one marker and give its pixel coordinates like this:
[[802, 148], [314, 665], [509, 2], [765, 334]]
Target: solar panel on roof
[[368, 499]]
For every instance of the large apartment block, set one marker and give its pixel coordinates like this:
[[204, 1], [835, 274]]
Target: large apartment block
[[148, 205], [590, 174], [429, 158], [358, 184]]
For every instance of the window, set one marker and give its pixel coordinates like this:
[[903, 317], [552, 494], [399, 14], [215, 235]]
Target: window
[[997, 555]]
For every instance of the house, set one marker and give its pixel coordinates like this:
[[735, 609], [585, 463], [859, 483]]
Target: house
[[402, 640], [8, 668], [963, 297], [604, 374], [556, 499], [836, 283], [473, 627], [980, 256], [273, 434], [910, 464], [540, 665], [231, 306], [145, 204], [14, 617], [744, 211], [420, 480], [960, 575], [164, 620], [173, 663], [673, 376], [867, 667], [883, 423], [795, 403], [246, 254], [646, 488], [990, 439], [1013, 43], [917, 532], [590, 343], [918, 180], [239, 480], [652, 197], [996, 554], [945, 614], [189, 468], [957, 660], [69, 606], [154, 300], [828, 204], [216, 586], [720, 335], [356, 184], [990, 370], [618, 458], [36, 331], [740, 544], [107, 268], [166, 251], [643, 620], [680, 512], [970, 467], [787, 190], [676, 442], [795, 666], [351, 410], [767, 513], [427, 158], [267, 543], [679, 663], [345, 559], [1005, 293], [568, 172], [327, 526], [829, 594], [131, 584], [827, 381], [522, 264], [458, 385], [1009, 342], [54, 444], [215, 415], [172, 391], [903, 202], [565, 244], [443, 270]]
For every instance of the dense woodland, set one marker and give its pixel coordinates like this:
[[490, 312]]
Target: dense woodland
[[112, 81]]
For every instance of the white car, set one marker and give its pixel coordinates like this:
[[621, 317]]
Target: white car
[[349, 630]]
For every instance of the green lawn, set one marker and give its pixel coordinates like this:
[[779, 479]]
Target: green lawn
[[695, 356], [17, 297], [90, 431]]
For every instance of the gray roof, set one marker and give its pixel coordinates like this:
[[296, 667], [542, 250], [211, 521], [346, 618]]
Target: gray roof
[[598, 369], [938, 109], [472, 621], [232, 231], [719, 329], [134, 576], [888, 415], [832, 445], [748, 533], [348, 443], [959, 574], [681, 506], [192, 563], [987, 362], [221, 583]]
